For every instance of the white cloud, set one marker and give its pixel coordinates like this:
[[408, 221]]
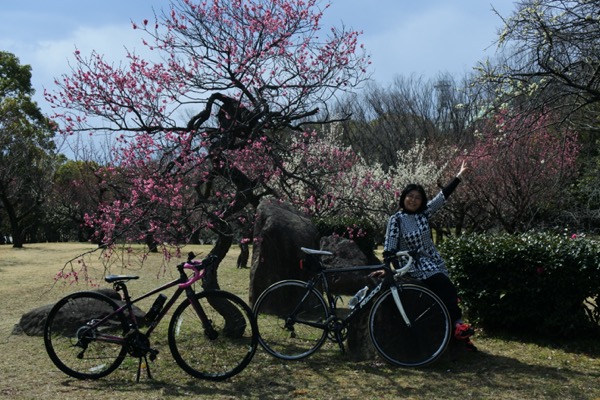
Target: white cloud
[[434, 40], [403, 37]]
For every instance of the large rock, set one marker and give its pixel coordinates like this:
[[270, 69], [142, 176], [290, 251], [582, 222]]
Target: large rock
[[279, 232], [346, 253], [32, 323]]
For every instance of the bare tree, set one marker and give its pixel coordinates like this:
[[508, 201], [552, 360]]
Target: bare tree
[[438, 112], [550, 55]]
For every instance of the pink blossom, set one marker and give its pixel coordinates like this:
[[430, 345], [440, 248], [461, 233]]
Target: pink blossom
[[164, 177]]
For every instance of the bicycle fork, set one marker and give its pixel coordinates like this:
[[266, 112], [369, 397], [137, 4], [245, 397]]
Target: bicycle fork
[[396, 297], [209, 330]]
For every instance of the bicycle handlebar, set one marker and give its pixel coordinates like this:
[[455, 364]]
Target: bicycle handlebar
[[409, 256], [198, 268]]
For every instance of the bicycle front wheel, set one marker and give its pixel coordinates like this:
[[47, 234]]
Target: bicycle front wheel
[[77, 344], [292, 320], [418, 343], [218, 346]]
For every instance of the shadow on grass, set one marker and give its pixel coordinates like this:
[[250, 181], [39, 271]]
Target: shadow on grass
[[126, 388], [485, 374], [328, 374]]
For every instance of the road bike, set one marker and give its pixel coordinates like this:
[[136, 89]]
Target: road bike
[[212, 334], [408, 324]]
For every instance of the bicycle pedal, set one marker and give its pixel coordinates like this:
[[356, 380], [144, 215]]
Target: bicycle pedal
[[153, 354]]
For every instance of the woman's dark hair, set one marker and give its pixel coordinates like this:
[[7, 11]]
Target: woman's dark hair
[[410, 188]]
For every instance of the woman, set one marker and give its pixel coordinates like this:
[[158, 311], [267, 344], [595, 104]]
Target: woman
[[409, 229]]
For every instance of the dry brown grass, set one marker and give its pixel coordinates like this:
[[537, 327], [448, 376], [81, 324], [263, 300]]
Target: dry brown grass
[[504, 369]]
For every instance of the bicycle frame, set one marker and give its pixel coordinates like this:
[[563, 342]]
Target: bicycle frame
[[183, 283], [322, 278], [388, 281]]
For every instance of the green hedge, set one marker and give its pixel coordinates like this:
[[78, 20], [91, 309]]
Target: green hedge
[[540, 283]]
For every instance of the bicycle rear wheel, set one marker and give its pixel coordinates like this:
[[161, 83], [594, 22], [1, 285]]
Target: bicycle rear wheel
[[221, 349], [78, 348], [291, 320], [419, 344]]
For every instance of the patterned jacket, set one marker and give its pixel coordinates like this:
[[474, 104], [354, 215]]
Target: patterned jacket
[[412, 232]]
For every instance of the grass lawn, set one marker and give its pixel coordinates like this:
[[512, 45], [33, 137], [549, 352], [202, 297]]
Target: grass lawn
[[505, 368]]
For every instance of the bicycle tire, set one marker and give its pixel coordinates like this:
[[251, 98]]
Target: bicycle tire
[[418, 345], [291, 338], [217, 357], [74, 347]]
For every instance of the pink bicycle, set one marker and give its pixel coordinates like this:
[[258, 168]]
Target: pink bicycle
[[212, 334]]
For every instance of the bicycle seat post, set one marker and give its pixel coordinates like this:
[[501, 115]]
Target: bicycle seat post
[[120, 286]]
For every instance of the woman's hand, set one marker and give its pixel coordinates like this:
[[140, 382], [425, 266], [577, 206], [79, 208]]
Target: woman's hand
[[377, 274], [463, 168]]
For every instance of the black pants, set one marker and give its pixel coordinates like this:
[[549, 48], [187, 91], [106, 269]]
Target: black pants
[[441, 285]]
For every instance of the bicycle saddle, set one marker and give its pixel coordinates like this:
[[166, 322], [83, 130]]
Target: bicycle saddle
[[313, 251], [116, 278]]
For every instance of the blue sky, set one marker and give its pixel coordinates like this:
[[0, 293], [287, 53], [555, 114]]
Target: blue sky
[[404, 37]]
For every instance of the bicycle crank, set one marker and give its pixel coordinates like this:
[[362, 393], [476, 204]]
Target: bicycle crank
[[337, 330], [138, 345]]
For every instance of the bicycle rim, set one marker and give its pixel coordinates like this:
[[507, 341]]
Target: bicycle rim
[[220, 350], [74, 346], [419, 344], [291, 320]]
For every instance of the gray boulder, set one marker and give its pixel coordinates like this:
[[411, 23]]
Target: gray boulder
[[346, 253], [279, 232], [32, 323]]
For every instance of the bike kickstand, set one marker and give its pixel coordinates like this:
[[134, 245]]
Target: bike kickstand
[[338, 337], [143, 362]]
